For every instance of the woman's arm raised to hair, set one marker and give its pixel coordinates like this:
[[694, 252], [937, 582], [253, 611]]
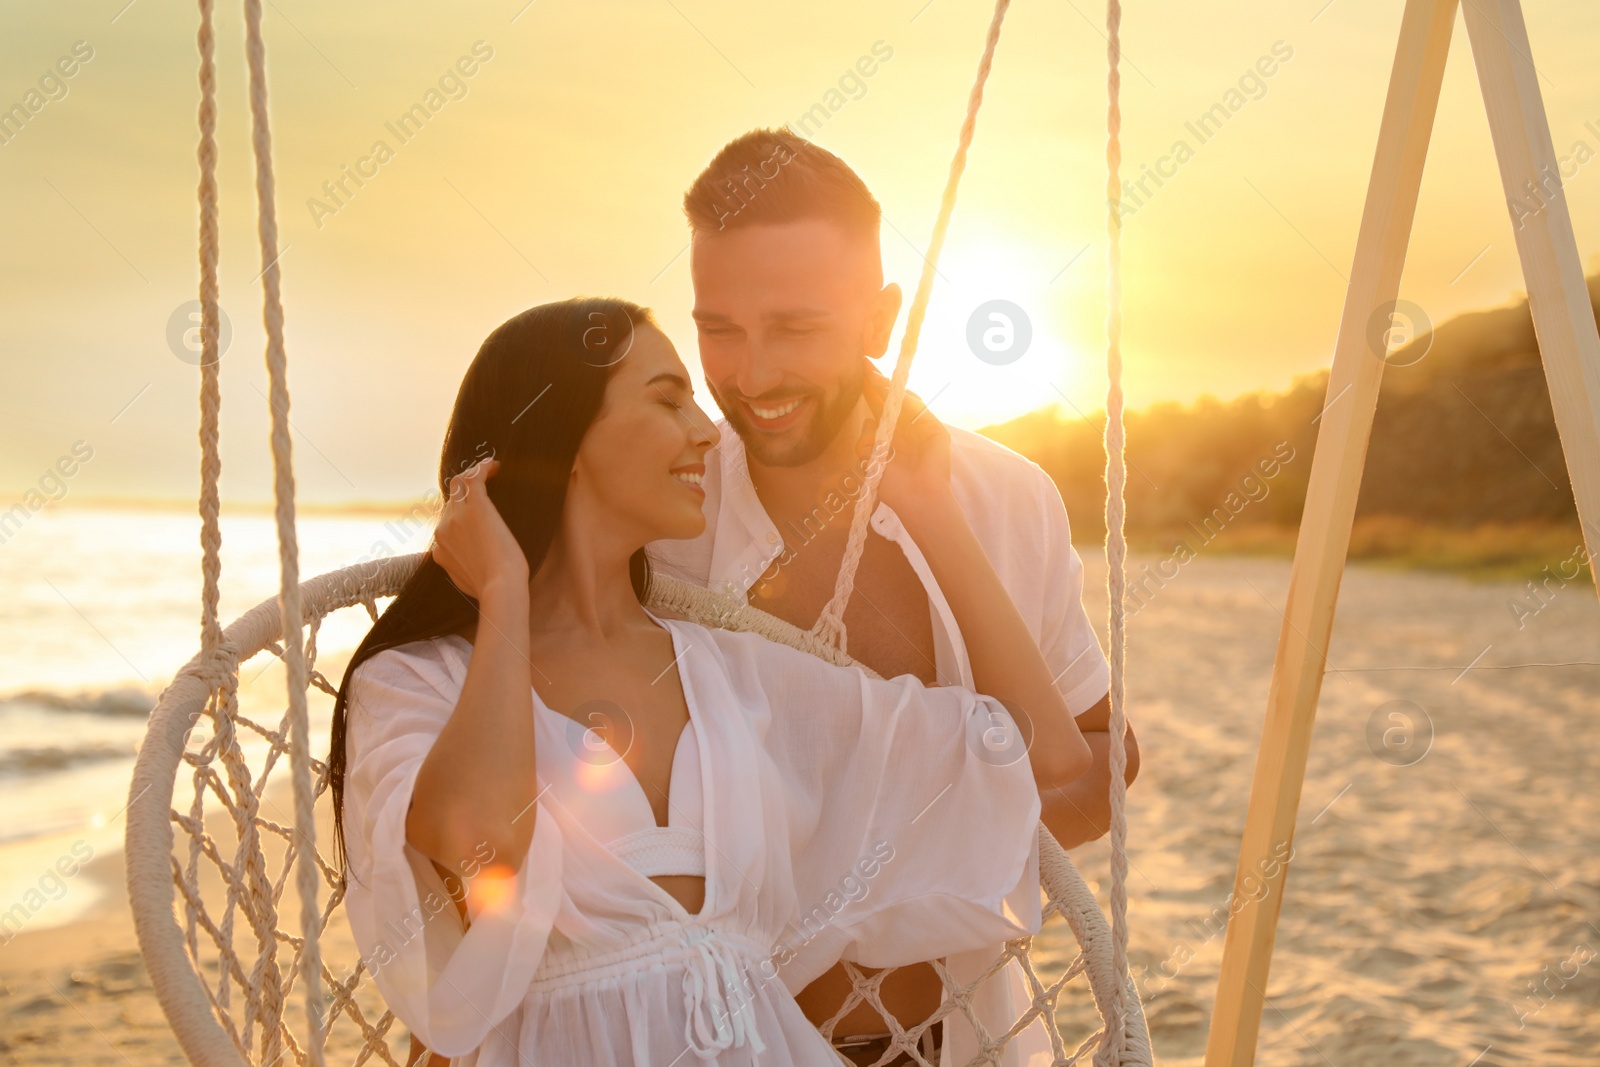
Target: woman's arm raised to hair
[[476, 786]]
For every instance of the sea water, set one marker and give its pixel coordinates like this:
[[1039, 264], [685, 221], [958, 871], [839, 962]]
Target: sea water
[[100, 609]]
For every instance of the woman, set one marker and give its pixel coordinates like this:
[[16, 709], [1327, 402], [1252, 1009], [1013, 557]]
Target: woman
[[581, 834]]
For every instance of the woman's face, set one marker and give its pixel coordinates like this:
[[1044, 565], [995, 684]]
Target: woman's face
[[641, 462]]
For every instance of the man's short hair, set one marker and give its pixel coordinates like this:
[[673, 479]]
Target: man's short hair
[[775, 176]]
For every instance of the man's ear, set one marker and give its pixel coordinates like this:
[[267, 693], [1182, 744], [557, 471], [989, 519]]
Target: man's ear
[[885, 310]]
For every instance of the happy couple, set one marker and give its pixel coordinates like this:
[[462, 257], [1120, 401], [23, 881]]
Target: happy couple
[[688, 879]]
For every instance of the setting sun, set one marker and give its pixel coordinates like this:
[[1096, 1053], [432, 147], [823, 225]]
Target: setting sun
[[980, 361]]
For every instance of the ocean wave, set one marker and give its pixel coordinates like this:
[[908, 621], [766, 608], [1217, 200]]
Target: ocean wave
[[121, 702], [27, 761]]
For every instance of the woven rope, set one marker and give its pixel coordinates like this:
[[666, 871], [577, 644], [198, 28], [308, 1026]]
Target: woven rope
[[830, 624], [213, 1032], [210, 391], [210, 1028], [223, 704], [284, 514], [1116, 539], [728, 613]]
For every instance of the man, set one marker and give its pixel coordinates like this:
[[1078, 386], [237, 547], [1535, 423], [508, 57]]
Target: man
[[791, 307]]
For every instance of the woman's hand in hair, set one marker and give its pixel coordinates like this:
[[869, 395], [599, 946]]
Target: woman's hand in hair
[[472, 542]]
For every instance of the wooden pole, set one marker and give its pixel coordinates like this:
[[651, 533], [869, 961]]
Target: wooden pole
[[1563, 316], [1324, 538]]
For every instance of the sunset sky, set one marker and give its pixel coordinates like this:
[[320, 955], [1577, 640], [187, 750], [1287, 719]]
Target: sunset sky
[[559, 165]]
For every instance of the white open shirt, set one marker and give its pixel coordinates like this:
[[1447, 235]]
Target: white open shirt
[[832, 805], [1017, 515]]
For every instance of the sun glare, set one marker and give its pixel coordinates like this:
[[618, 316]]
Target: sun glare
[[1005, 331], [596, 774]]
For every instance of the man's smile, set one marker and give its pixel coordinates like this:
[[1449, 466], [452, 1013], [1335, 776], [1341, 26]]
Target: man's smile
[[774, 416]]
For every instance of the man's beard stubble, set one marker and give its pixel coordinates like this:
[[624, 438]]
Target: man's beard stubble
[[831, 414]]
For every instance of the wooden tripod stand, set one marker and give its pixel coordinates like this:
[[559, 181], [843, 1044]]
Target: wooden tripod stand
[[1570, 348]]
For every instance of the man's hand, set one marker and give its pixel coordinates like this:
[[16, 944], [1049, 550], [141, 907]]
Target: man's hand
[[1081, 812], [917, 478]]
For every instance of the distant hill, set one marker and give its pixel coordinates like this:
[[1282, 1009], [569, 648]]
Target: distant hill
[[1464, 441]]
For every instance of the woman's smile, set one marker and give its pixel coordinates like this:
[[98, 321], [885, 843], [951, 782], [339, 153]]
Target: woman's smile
[[690, 477]]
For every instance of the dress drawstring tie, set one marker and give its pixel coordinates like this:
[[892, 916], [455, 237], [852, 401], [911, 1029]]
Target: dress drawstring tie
[[716, 997]]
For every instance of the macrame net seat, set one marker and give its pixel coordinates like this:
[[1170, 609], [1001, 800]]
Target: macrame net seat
[[212, 855]]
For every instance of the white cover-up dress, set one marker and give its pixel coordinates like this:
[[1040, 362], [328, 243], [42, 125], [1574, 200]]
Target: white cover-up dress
[[837, 817]]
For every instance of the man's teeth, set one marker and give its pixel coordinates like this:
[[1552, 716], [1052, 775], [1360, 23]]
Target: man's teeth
[[777, 412], [687, 476]]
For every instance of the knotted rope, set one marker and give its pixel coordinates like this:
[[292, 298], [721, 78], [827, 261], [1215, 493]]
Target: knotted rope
[[210, 390], [310, 962], [1116, 538], [830, 624], [220, 667]]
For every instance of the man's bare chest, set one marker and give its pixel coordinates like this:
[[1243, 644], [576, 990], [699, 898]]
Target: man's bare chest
[[888, 619]]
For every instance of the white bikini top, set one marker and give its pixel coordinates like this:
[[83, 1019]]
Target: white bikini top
[[594, 783]]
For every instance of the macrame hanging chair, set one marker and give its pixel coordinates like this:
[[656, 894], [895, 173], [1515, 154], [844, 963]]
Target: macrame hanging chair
[[243, 985]]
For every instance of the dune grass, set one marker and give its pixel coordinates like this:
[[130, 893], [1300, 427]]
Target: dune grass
[[1518, 550]]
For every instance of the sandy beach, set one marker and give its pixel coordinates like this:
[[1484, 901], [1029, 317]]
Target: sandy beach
[[1445, 877]]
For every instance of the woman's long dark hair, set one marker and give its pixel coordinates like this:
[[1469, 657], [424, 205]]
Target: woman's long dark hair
[[528, 398]]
